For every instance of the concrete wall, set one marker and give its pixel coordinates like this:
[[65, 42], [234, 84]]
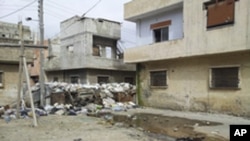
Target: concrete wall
[[10, 32], [144, 8], [188, 85], [8, 93], [198, 40], [114, 76], [77, 44], [11, 54], [89, 75], [145, 34], [76, 25]]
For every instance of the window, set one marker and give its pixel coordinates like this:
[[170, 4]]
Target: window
[[102, 79], [1, 79], [74, 79], [108, 52], [55, 79], [129, 80], [158, 78], [226, 77], [96, 50], [161, 34], [104, 47], [220, 12], [70, 48], [161, 31]]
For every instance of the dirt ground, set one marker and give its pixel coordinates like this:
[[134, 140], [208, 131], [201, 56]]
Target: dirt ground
[[126, 127]]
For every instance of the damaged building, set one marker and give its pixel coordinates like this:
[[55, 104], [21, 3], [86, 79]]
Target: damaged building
[[192, 56], [90, 52], [9, 59]]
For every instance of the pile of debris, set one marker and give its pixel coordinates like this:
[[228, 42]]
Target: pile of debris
[[114, 96], [75, 99]]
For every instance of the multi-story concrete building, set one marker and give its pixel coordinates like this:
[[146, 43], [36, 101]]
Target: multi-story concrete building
[[9, 59], [89, 53], [192, 54]]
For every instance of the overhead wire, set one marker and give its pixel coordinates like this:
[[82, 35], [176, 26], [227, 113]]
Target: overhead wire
[[82, 16], [49, 11], [59, 8], [18, 9], [63, 7], [91, 8]]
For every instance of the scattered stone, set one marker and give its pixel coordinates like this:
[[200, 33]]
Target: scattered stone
[[175, 129], [59, 112], [77, 139]]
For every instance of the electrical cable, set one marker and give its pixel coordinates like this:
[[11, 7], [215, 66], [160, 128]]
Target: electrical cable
[[49, 11], [82, 16], [91, 8], [18, 9], [59, 8], [62, 6]]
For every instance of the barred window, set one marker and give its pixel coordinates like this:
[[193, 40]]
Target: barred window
[[102, 79], [227, 77], [158, 78], [74, 79]]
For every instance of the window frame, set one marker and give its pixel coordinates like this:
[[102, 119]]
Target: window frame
[[160, 86], [225, 66], [131, 78], [103, 77], [161, 30], [160, 26], [1, 79], [74, 76]]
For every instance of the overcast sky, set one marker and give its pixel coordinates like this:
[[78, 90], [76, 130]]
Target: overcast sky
[[56, 11]]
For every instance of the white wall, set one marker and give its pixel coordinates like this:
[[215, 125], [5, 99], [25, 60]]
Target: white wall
[[145, 34]]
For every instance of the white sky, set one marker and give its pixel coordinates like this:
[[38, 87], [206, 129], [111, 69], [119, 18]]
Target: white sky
[[56, 11]]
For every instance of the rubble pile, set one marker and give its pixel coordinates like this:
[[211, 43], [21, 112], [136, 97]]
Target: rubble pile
[[75, 99], [83, 94]]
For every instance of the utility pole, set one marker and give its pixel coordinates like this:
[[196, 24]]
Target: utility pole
[[23, 68], [20, 80], [41, 75]]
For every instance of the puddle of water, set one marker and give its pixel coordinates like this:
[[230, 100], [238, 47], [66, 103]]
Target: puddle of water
[[165, 128]]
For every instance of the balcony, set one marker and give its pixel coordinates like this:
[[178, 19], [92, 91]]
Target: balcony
[[156, 51], [148, 8], [10, 54]]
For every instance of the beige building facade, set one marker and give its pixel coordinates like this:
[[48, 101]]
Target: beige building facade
[[9, 59], [189, 57]]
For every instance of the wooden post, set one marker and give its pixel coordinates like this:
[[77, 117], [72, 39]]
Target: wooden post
[[29, 90], [19, 91]]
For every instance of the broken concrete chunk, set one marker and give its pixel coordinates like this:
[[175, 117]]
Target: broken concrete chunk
[[59, 112]]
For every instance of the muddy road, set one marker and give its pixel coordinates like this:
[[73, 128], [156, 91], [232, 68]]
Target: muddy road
[[108, 127]]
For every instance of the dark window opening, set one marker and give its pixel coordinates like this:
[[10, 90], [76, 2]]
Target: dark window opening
[[225, 77], [35, 79], [102, 79], [104, 47], [161, 34], [1, 79], [74, 79], [55, 79], [220, 12], [96, 50], [129, 80], [158, 78]]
